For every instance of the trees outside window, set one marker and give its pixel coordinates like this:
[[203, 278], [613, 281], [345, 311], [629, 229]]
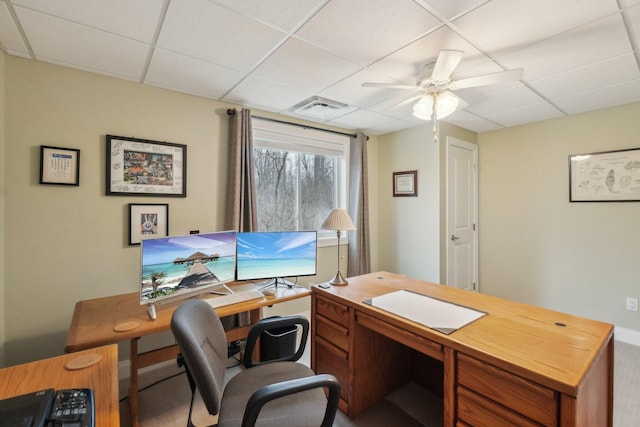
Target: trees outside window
[[298, 179]]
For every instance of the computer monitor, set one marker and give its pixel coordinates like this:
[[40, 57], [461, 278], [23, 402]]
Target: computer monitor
[[276, 255], [181, 266]]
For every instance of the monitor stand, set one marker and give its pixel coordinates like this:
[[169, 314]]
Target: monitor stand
[[151, 310], [278, 281]]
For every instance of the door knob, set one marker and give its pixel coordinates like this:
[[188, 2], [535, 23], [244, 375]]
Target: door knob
[[454, 237]]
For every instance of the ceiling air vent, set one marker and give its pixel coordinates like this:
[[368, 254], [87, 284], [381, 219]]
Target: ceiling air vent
[[321, 108]]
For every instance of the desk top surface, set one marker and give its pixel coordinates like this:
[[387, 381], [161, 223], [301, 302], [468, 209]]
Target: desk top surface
[[551, 347], [95, 321], [102, 377]]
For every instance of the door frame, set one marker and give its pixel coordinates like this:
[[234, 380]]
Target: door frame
[[474, 148]]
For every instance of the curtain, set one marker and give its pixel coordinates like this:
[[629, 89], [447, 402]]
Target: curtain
[[359, 239], [240, 207]]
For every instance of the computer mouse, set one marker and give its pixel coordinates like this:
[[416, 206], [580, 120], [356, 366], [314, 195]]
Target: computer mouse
[[269, 291]]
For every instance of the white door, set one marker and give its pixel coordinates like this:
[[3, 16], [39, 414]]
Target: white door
[[462, 214]]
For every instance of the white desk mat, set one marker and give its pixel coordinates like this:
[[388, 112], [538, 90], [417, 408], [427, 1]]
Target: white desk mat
[[440, 315]]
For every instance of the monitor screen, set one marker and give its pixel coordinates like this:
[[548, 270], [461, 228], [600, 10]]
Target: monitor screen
[[273, 255], [177, 266]]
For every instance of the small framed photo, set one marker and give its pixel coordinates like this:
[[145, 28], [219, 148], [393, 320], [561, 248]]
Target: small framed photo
[[140, 167], [405, 184], [60, 166], [147, 220]]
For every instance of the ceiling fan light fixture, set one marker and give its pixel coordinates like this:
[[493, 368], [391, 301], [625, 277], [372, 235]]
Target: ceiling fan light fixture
[[446, 104], [423, 109]]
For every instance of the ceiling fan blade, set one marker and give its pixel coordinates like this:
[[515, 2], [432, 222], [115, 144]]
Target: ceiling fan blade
[[488, 79], [391, 86], [406, 102], [447, 61]]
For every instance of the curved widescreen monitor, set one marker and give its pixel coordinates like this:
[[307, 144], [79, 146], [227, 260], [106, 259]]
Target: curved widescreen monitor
[[275, 255], [178, 266]]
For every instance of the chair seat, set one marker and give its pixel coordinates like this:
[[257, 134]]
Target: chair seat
[[301, 409]]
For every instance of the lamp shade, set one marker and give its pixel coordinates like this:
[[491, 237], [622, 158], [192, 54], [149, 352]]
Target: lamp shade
[[338, 219]]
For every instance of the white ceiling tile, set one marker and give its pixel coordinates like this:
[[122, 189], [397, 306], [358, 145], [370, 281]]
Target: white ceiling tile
[[594, 42], [264, 94], [373, 28], [184, 74], [283, 14], [136, 19], [634, 17], [472, 122], [206, 31], [407, 64], [605, 97], [301, 65], [82, 47], [373, 123], [450, 9], [505, 24], [528, 114], [350, 90], [615, 71], [10, 37], [517, 97]]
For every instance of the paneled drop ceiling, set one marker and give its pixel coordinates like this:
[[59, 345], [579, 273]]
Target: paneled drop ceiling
[[577, 55]]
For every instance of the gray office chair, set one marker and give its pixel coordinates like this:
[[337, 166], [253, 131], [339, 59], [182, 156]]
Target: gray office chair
[[271, 393]]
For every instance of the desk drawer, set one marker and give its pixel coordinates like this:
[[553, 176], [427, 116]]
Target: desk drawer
[[480, 412], [521, 395], [332, 360], [339, 313], [332, 332]]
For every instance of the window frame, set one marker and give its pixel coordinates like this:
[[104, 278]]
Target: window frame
[[301, 139]]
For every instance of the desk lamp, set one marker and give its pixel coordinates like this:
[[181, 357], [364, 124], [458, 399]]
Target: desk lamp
[[338, 220]]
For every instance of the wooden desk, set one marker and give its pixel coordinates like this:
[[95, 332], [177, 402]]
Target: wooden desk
[[102, 377], [517, 366], [95, 321]]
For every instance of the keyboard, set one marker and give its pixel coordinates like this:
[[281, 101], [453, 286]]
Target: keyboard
[[234, 298]]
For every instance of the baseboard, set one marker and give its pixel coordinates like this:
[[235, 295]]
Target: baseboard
[[629, 336], [124, 368]]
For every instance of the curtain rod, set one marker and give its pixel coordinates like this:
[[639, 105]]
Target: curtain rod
[[232, 111]]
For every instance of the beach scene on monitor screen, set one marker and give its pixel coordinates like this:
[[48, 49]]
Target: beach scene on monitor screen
[[177, 264]]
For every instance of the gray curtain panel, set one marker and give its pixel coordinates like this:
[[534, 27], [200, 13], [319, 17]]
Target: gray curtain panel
[[240, 207], [241, 196], [359, 239]]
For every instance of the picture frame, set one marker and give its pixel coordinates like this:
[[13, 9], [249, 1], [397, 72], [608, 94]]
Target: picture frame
[[147, 220], [142, 167], [59, 166], [607, 176], [405, 184]]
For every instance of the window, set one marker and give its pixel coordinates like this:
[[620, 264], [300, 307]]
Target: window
[[300, 175]]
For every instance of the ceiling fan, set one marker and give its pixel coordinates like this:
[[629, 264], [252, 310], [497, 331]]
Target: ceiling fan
[[435, 98]]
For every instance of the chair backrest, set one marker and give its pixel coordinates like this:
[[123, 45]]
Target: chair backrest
[[203, 344]]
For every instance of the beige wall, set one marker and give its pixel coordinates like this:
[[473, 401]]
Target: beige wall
[[537, 247], [408, 227], [65, 244], [3, 321]]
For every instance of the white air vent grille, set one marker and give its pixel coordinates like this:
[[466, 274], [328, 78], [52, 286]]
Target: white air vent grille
[[321, 108]]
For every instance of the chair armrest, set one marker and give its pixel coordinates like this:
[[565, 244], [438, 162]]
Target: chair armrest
[[273, 323], [286, 388]]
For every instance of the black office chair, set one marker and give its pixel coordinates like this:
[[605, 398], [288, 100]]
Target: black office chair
[[272, 393]]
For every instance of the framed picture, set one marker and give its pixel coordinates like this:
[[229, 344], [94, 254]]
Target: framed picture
[[139, 167], [59, 165], [405, 184], [147, 220], [610, 176]]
